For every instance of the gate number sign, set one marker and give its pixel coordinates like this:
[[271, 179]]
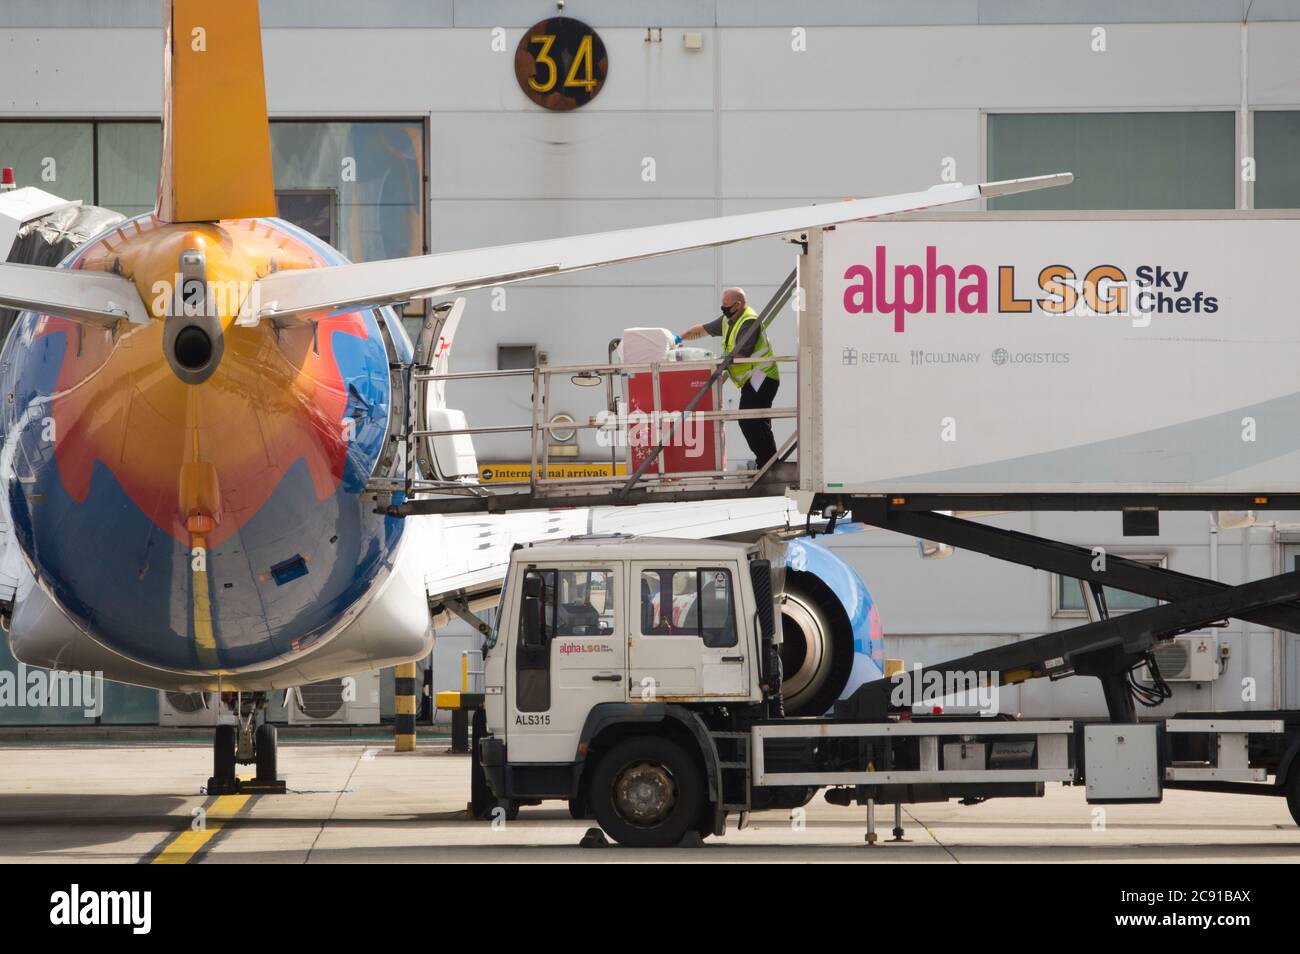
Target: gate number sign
[[561, 63]]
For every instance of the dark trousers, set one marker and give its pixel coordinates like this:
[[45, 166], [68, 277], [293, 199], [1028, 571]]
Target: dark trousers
[[758, 431]]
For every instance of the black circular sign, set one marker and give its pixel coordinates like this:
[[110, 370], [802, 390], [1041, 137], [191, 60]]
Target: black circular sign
[[561, 63]]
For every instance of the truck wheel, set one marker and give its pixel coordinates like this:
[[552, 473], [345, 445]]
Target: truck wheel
[[1293, 792], [647, 793]]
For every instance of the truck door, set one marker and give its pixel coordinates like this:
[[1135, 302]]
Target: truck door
[[686, 641], [570, 655]]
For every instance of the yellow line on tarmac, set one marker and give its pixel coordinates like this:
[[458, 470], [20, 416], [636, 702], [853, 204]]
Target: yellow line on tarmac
[[185, 847], [204, 640]]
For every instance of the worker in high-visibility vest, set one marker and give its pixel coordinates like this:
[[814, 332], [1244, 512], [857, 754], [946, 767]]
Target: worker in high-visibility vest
[[742, 334]]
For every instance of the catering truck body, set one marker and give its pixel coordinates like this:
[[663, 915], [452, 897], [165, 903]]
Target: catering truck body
[[1013, 355]]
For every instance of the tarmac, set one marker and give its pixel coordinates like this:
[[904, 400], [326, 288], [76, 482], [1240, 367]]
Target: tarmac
[[355, 800]]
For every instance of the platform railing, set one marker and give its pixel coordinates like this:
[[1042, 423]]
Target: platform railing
[[637, 439], [618, 421]]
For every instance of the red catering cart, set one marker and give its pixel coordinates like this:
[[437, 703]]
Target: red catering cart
[[694, 446]]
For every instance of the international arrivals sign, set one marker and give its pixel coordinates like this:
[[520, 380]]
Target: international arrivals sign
[[519, 473]]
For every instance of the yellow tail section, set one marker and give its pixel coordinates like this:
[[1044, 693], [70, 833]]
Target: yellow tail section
[[216, 161]]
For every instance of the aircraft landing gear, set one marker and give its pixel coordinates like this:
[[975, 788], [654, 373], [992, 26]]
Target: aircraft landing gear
[[224, 781], [246, 742]]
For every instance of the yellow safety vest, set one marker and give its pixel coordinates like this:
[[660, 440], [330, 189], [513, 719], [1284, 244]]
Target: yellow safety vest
[[742, 368]]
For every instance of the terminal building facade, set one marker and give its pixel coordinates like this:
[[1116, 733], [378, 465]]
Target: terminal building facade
[[399, 127]]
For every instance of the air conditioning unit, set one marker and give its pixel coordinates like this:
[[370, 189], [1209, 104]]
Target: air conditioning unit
[[1190, 658], [350, 700], [191, 708]]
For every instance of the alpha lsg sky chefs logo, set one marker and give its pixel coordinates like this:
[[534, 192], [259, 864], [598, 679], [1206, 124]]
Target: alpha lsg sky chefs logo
[[1140, 294]]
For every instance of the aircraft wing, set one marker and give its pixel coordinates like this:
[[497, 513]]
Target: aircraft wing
[[97, 298], [304, 292], [479, 545], [466, 555]]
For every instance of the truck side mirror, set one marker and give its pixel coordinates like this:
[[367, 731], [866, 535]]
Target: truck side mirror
[[534, 604]]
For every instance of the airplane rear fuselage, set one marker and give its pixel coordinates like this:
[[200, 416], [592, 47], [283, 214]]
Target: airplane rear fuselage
[[208, 527]]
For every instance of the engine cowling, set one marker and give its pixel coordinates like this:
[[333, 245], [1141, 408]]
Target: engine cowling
[[832, 637]]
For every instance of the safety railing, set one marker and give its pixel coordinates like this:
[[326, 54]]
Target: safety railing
[[648, 430], [638, 438]]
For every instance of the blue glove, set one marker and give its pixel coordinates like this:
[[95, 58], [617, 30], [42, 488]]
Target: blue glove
[[677, 339]]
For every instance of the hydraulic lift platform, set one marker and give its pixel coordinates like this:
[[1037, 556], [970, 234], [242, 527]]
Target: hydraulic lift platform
[[1113, 649]]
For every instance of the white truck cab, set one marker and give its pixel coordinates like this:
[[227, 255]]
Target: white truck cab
[[596, 635], [626, 620]]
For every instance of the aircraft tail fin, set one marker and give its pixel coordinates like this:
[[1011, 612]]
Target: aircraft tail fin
[[216, 161]]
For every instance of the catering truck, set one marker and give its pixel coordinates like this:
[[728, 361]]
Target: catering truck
[[947, 367], [639, 678]]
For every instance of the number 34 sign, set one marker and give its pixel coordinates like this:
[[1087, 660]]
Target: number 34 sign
[[561, 63]]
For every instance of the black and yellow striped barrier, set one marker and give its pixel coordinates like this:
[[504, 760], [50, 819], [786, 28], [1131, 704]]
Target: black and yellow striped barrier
[[404, 707]]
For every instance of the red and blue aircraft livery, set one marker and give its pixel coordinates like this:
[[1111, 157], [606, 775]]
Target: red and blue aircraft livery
[[218, 526]]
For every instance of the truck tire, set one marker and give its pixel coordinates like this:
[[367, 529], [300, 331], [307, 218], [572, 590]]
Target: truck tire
[[647, 792]]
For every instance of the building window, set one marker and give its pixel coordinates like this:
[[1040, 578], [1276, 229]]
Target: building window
[[1067, 592], [516, 357], [1276, 146], [376, 172], [126, 163], [1180, 160], [312, 210], [58, 157], [372, 172]]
